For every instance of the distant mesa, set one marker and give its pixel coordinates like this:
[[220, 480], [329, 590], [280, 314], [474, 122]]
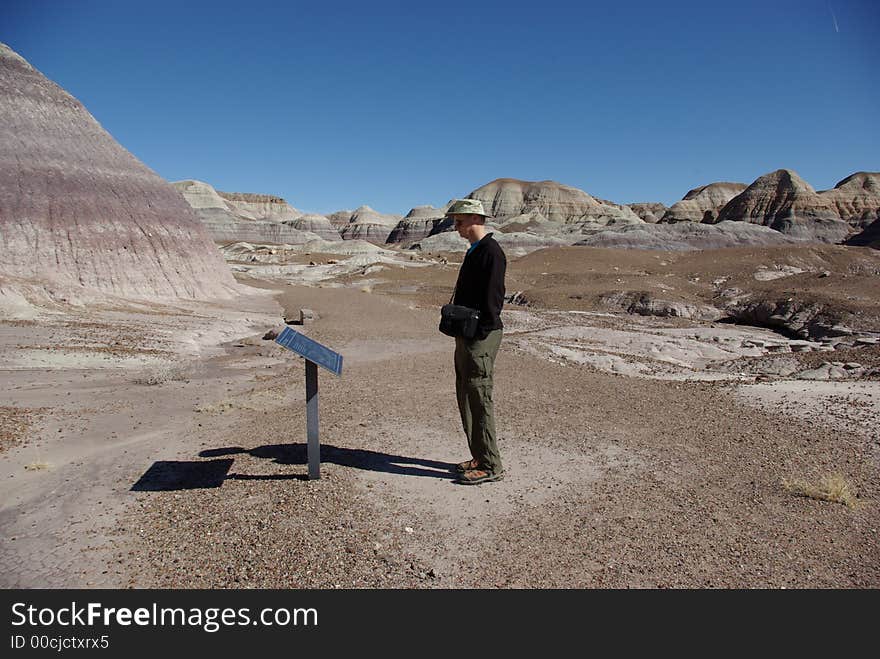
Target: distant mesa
[[505, 198], [783, 201], [260, 206], [80, 215], [702, 204], [339, 219], [856, 199], [369, 225], [419, 223], [529, 214], [777, 209], [525, 215], [315, 224], [243, 217]]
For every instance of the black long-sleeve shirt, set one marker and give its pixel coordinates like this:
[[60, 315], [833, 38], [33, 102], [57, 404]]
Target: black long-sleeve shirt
[[480, 283]]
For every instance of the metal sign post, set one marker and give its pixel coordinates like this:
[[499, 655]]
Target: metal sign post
[[315, 355]]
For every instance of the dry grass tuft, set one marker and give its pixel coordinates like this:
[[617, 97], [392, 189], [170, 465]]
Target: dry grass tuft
[[832, 487], [165, 373]]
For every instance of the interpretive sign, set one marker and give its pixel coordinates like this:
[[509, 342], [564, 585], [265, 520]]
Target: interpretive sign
[[315, 355], [311, 350]]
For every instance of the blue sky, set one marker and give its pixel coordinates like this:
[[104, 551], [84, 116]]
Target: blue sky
[[398, 104]]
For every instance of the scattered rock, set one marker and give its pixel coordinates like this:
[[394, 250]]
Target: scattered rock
[[644, 303], [826, 371], [801, 346]]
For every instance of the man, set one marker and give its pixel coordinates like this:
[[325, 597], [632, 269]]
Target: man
[[480, 286]]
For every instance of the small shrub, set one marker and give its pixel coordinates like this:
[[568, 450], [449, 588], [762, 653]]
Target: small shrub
[[165, 373], [831, 487]]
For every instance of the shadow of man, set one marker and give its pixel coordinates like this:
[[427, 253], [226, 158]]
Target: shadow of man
[[296, 454]]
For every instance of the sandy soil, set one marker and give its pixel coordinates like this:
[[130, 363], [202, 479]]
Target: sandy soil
[[639, 451]]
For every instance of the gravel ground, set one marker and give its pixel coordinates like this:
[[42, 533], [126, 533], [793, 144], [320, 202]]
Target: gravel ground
[[611, 481], [14, 425]]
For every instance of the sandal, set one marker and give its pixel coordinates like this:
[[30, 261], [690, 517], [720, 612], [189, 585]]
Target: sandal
[[477, 476], [462, 467]]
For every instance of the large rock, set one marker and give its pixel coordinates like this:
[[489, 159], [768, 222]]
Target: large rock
[[783, 201], [79, 212], [646, 303], [800, 318], [506, 198], [697, 203], [242, 217]]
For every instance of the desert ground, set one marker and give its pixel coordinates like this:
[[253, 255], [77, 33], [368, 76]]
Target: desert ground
[[164, 446]]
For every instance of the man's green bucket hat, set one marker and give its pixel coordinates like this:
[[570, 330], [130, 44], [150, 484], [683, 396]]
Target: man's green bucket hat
[[467, 207]]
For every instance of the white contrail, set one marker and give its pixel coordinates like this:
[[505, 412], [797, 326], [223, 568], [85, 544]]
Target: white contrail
[[834, 18]]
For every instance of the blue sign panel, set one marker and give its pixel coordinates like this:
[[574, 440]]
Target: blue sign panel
[[311, 350]]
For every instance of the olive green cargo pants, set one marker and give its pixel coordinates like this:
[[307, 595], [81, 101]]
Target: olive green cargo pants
[[474, 371]]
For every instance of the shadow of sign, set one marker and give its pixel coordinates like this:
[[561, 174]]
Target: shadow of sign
[[296, 454], [168, 475]]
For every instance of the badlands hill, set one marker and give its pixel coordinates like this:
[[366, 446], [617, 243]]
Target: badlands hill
[[697, 203], [779, 208], [419, 223], [80, 215], [367, 224], [259, 206], [650, 211], [508, 199], [246, 217], [857, 200], [783, 201]]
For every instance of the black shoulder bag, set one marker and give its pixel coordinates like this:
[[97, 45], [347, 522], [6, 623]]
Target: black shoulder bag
[[456, 320]]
